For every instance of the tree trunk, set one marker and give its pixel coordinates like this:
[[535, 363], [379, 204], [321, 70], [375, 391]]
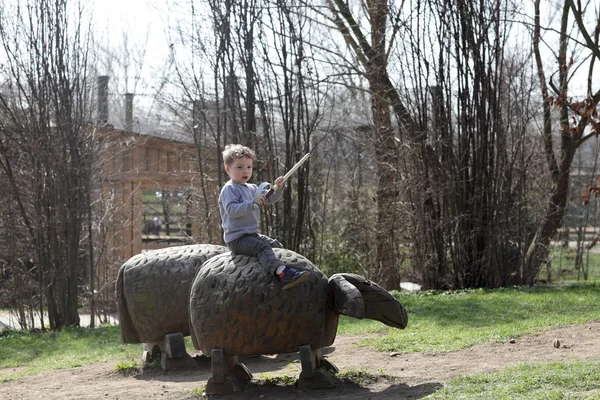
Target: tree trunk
[[385, 149], [385, 98], [387, 271], [571, 137], [538, 250]]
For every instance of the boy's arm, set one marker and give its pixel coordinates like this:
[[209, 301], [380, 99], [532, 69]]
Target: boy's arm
[[234, 206]]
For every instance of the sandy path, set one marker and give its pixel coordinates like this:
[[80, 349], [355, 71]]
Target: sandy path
[[414, 375]]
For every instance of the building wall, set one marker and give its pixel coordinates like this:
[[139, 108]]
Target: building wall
[[131, 164]]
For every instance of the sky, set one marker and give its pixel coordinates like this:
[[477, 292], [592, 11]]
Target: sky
[[144, 23], [141, 20]]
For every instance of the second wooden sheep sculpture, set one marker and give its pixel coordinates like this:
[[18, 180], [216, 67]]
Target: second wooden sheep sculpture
[[153, 291]]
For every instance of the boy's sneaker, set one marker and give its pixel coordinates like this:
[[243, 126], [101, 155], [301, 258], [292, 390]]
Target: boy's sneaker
[[291, 277]]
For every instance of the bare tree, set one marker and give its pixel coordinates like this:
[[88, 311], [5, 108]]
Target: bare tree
[[273, 112], [374, 58], [451, 116], [578, 119], [44, 144], [291, 91], [451, 147], [477, 214]]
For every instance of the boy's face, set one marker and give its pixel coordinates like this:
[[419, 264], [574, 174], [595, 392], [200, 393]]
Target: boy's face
[[240, 170]]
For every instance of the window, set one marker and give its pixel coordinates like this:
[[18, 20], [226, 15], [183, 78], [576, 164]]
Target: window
[[165, 216]]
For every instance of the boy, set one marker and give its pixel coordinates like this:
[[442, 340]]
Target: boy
[[239, 204]]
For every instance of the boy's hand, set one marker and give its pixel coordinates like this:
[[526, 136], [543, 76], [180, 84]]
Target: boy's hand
[[280, 183], [260, 200]]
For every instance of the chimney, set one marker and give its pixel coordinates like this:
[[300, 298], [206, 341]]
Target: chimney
[[102, 100], [129, 112]]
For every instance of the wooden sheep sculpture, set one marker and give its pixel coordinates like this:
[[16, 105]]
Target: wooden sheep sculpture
[[238, 309], [153, 300]]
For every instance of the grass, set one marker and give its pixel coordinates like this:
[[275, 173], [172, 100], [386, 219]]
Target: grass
[[279, 380], [562, 267], [199, 391], [565, 380], [363, 376], [438, 321], [443, 321], [71, 347], [126, 365]]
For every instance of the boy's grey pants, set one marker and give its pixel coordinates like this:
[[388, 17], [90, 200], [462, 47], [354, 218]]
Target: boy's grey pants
[[257, 245]]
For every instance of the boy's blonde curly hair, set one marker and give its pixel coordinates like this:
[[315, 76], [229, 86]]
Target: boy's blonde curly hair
[[233, 151]]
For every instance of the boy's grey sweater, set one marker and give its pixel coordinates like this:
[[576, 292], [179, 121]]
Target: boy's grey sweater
[[239, 213]]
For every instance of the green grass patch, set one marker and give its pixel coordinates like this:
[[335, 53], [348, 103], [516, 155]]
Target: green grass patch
[[279, 380], [199, 391], [444, 321], [563, 267], [127, 365], [565, 380], [70, 347], [363, 377]]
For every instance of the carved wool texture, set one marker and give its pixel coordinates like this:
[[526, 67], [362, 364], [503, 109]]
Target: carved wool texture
[[237, 306], [155, 291]]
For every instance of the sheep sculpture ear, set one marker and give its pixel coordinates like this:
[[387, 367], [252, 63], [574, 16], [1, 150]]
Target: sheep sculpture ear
[[347, 299]]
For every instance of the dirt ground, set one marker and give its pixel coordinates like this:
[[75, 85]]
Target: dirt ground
[[400, 376]]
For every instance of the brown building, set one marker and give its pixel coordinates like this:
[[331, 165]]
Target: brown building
[[152, 195]]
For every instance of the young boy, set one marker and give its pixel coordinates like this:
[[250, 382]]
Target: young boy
[[240, 204]]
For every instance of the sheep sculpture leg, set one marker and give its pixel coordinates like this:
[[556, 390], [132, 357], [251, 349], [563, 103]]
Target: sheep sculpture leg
[[316, 370], [151, 351], [174, 355], [226, 374], [172, 350]]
